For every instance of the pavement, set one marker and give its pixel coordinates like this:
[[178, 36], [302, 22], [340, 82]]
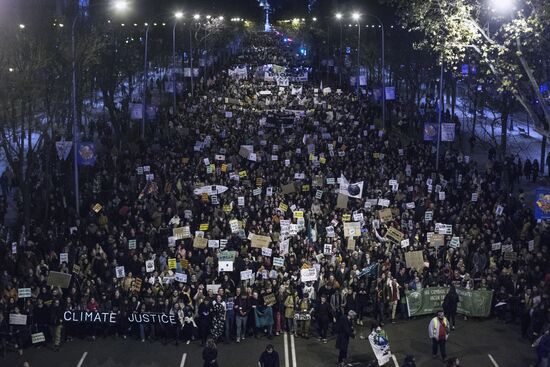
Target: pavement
[[475, 342]]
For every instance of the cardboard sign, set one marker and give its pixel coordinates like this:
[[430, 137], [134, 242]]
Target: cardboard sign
[[269, 299], [200, 242], [288, 188], [136, 285], [181, 233], [17, 319], [437, 240], [57, 279], [342, 201], [260, 241], [279, 262], [395, 235], [213, 287], [247, 274], [350, 244], [308, 275], [385, 215], [352, 229], [414, 260], [24, 293], [510, 256], [225, 266], [150, 266]]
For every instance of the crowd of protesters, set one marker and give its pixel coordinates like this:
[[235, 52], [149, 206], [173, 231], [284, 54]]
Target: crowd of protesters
[[335, 135]]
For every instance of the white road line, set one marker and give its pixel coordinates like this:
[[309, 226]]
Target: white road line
[[394, 360], [493, 360], [183, 358], [285, 335], [82, 359], [294, 364]]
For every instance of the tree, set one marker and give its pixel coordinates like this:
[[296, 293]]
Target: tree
[[514, 55]]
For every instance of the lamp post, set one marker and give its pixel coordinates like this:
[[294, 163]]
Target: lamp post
[[340, 61], [356, 16], [144, 85], [383, 76], [178, 15]]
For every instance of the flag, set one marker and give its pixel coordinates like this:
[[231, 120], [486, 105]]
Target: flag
[[370, 270], [63, 149], [86, 154], [353, 190], [381, 347]]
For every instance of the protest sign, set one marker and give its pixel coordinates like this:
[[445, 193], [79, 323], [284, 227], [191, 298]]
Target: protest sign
[[414, 260], [24, 293], [119, 271], [427, 301], [385, 215], [342, 201], [17, 319], [181, 233], [246, 274], [64, 258], [150, 266], [234, 224], [266, 251], [226, 266], [352, 229], [278, 261], [284, 247], [437, 240], [395, 235], [213, 287], [260, 241], [38, 338], [57, 279], [227, 256], [181, 277], [200, 242], [327, 249], [380, 347], [308, 275]]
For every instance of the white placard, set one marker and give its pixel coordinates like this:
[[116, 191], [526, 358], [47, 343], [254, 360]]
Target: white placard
[[405, 243], [496, 246], [17, 319], [358, 217], [308, 275], [240, 200], [474, 197], [327, 249], [284, 247], [499, 210], [181, 277], [428, 215], [266, 251], [64, 257], [120, 273], [257, 191], [269, 191], [226, 266], [455, 242], [38, 338], [214, 243], [150, 266], [247, 274], [410, 205], [384, 202], [133, 243], [330, 231], [442, 195], [279, 262], [24, 293], [234, 224]]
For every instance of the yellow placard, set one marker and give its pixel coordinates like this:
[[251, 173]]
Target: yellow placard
[[204, 197], [298, 214], [212, 167], [346, 217], [322, 160], [242, 174], [171, 263], [305, 188], [227, 208], [224, 167], [376, 155], [97, 207], [283, 207], [259, 181], [184, 263], [203, 227], [310, 156]]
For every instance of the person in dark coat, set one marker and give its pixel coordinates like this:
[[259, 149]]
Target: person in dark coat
[[344, 331], [450, 305], [204, 320], [323, 315], [269, 357], [210, 354]]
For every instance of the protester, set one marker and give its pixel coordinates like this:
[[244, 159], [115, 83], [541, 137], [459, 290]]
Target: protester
[[210, 354], [344, 331], [438, 331], [450, 305], [269, 357]]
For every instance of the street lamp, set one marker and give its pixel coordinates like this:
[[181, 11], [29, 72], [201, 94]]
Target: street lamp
[[356, 17], [21, 26], [121, 5], [502, 6], [177, 16], [338, 17]]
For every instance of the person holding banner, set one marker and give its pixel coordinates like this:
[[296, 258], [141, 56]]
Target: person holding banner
[[438, 330]]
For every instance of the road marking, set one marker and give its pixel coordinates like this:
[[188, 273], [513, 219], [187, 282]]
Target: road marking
[[285, 335], [493, 360], [294, 364], [394, 360], [82, 359], [183, 358]]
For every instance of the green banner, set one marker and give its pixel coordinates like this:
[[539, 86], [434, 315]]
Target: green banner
[[429, 300]]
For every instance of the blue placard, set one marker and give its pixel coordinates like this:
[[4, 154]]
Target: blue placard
[[86, 154], [542, 203], [430, 131]]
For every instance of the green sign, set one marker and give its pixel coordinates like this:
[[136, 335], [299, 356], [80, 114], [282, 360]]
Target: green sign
[[227, 256], [429, 300]]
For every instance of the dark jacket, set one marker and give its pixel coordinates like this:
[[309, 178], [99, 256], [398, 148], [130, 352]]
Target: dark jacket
[[450, 302], [210, 356], [269, 359], [345, 331]]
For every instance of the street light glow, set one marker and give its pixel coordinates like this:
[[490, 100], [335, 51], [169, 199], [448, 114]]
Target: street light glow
[[120, 5], [355, 16], [502, 6], [10, 70], [178, 15], [220, 17], [61, 25], [21, 26], [196, 16], [314, 19], [338, 16]]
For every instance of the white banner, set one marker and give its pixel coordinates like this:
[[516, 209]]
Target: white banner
[[63, 149], [380, 347]]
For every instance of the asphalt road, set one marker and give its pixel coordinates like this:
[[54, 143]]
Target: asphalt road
[[472, 341]]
